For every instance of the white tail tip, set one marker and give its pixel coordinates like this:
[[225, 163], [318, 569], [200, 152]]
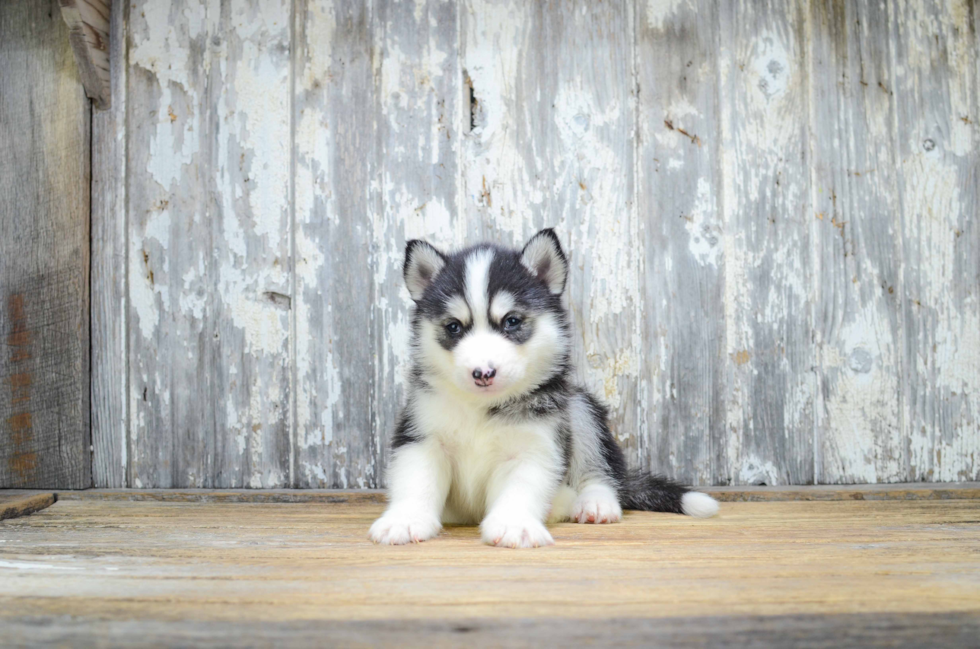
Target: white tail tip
[[695, 503]]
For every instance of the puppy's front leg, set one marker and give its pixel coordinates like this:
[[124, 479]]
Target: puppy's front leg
[[418, 483], [519, 496]]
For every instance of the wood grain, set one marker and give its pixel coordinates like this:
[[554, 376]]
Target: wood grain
[[88, 24], [858, 293], [772, 280], [901, 630], [251, 563], [679, 197], [250, 215], [171, 270], [764, 127], [44, 251], [110, 324], [905, 491], [338, 199], [15, 505], [937, 142]]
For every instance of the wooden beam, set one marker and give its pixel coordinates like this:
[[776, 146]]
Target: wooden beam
[[44, 254], [88, 21], [150, 564], [906, 491], [20, 503]]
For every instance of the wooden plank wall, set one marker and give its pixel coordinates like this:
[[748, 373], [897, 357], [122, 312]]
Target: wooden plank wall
[[771, 210], [44, 252]]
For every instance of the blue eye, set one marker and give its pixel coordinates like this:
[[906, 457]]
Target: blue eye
[[453, 328], [512, 322]]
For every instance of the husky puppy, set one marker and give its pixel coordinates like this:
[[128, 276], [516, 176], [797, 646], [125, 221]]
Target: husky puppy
[[495, 431]]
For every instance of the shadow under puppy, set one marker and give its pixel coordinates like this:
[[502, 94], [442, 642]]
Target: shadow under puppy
[[494, 430]]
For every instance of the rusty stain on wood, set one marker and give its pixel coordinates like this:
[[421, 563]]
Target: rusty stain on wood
[[44, 253], [21, 461]]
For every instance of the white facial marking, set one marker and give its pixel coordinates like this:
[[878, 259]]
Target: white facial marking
[[502, 304], [489, 350], [457, 308], [476, 280], [516, 367]]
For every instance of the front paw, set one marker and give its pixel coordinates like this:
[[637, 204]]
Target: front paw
[[596, 508], [515, 532], [399, 528]]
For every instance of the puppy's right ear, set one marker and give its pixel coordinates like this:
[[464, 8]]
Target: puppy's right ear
[[422, 263]]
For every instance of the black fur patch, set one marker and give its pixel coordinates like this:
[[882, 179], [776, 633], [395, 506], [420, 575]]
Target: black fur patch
[[416, 378], [449, 340], [448, 283], [405, 433], [651, 493], [565, 439], [612, 454], [547, 400], [637, 489], [506, 273]]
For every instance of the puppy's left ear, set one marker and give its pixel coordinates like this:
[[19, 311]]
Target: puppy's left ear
[[422, 263], [543, 256]]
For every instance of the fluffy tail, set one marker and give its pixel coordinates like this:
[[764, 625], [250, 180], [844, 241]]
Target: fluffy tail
[[654, 493]]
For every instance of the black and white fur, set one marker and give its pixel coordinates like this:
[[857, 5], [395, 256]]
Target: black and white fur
[[495, 431]]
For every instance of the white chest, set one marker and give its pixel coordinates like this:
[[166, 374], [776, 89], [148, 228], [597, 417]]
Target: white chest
[[479, 449]]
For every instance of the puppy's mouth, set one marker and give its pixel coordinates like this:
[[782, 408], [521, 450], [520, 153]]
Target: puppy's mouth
[[483, 378]]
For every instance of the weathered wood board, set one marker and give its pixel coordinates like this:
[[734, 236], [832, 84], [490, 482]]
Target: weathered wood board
[[218, 573], [938, 146], [679, 181], [857, 315], [770, 209], [109, 296], [44, 253], [88, 22]]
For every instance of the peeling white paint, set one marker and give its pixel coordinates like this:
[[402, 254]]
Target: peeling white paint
[[659, 11], [755, 471], [704, 234], [164, 52], [440, 179]]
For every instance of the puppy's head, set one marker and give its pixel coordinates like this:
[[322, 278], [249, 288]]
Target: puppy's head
[[488, 320]]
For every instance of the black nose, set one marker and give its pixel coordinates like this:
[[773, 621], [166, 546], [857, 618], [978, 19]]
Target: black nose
[[480, 374]]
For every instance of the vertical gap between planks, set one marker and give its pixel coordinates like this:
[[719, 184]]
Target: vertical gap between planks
[[903, 346], [377, 75], [815, 261], [642, 398], [209, 325], [377, 196], [90, 442], [291, 426], [714, 464], [463, 93], [806, 51], [123, 68]]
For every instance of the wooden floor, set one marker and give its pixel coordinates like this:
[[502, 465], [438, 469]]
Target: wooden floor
[[108, 570]]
